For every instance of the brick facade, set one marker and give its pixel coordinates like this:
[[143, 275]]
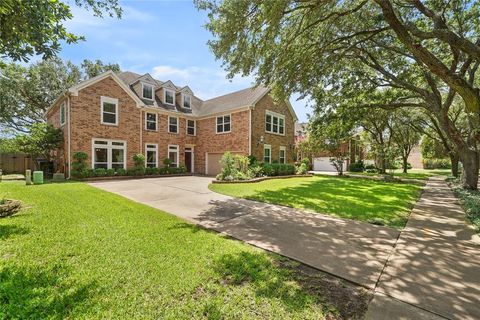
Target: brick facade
[[86, 125], [275, 140]]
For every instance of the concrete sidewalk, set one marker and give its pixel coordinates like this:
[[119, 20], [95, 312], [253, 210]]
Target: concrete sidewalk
[[434, 271]]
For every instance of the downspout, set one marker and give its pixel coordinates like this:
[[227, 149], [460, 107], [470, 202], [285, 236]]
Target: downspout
[[250, 131], [69, 151], [141, 133]]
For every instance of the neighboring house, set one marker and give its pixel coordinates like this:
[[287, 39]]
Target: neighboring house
[[321, 159], [114, 116]]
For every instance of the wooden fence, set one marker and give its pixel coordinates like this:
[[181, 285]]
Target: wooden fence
[[15, 163]]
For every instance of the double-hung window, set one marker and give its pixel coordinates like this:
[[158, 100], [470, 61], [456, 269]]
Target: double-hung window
[[147, 91], [282, 155], [223, 124], [63, 113], [187, 101], [173, 155], [108, 154], [173, 124], [151, 121], [109, 110], [191, 127], [274, 123], [169, 96], [267, 153], [151, 152]]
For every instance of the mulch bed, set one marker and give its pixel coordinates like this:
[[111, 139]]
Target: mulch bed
[[263, 179]]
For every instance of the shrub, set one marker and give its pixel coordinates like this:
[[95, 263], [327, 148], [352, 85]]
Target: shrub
[[252, 160], [278, 169], [121, 172], [110, 172], [151, 171], [302, 169], [370, 167], [470, 201], [90, 173], [356, 166], [100, 172], [135, 171], [167, 162], [234, 167], [436, 164], [256, 170], [374, 170], [79, 166], [139, 160], [177, 170]]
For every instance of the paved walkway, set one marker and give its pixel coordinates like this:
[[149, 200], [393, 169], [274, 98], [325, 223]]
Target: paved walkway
[[434, 271], [349, 249]]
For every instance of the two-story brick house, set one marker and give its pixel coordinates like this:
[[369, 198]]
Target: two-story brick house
[[114, 116]]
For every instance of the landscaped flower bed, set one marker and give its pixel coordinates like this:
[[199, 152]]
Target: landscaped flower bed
[[238, 168], [263, 178], [9, 207]]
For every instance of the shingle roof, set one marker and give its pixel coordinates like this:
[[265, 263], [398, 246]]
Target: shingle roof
[[227, 102]]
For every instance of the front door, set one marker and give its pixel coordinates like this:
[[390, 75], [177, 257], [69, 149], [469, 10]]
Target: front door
[[189, 159]]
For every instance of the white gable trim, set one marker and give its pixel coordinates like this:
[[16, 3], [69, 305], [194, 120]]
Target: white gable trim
[[187, 90], [82, 85], [287, 102], [169, 85], [146, 78]]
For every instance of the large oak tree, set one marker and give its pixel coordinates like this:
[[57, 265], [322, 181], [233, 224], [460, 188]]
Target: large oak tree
[[420, 54]]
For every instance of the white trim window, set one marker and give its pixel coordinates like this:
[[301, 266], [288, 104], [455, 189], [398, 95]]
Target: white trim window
[[63, 114], [187, 101], [282, 154], [169, 96], [173, 154], [147, 91], [274, 123], [191, 127], [108, 154], [151, 155], [151, 121], [224, 124], [172, 124], [267, 153], [109, 111]]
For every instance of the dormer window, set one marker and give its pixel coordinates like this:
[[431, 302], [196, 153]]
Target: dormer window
[[169, 96], [147, 91], [187, 101]]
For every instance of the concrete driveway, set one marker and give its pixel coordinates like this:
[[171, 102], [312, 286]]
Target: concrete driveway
[[349, 249]]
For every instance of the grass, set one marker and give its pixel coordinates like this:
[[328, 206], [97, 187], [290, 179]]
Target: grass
[[78, 252], [360, 199], [419, 174]]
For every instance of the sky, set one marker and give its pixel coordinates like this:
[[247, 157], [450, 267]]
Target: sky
[[165, 38]]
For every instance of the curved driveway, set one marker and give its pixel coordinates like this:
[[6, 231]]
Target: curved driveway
[[349, 249]]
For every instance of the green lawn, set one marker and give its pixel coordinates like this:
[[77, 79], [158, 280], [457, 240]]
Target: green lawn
[[360, 199], [419, 174], [78, 252]]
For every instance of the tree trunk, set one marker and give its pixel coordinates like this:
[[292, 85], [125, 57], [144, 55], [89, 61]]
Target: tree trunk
[[454, 160], [405, 164], [470, 161]]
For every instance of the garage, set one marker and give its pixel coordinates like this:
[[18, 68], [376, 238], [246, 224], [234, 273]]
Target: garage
[[213, 166], [324, 164]]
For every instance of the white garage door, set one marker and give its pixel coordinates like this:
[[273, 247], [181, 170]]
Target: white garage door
[[323, 164]]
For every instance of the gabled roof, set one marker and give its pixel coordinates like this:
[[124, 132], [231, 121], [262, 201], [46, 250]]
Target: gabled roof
[[246, 98], [235, 100], [74, 90]]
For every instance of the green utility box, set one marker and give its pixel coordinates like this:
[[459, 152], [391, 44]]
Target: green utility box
[[37, 177]]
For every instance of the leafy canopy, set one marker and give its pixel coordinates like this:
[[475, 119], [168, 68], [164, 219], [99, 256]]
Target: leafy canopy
[[36, 27]]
